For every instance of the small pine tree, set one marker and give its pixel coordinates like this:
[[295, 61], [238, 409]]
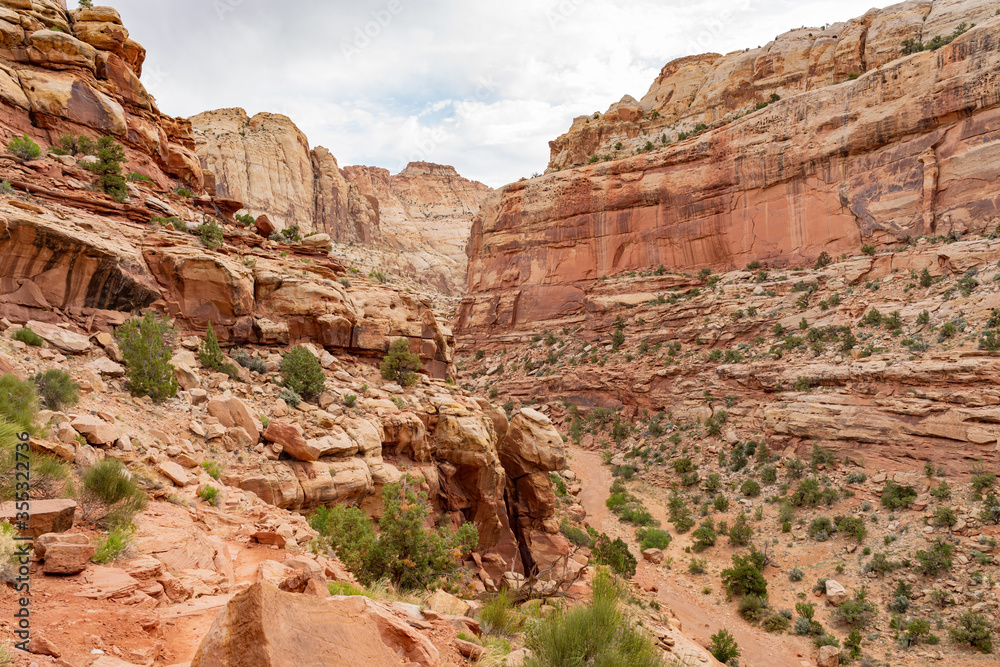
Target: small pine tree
[[24, 148], [302, 373], [110, 157], [144, 344], [56, 389], [401, 365], [210, 354], [724, 647]]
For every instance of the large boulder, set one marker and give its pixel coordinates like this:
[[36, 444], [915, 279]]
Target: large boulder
[[44, 516], [61, 339], [96, 430], [232, 412], [263, 627]]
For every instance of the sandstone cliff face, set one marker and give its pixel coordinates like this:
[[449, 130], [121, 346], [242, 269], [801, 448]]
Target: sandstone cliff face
[[426, 212], [78, 71], [266, 163], [908, 148]]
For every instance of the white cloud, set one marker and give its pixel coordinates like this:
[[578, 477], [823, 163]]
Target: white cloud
[[482, 85]]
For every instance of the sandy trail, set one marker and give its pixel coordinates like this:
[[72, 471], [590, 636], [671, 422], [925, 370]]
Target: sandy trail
[[700, 616]]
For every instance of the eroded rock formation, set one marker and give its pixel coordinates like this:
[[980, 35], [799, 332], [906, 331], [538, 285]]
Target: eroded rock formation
[[78, 71], [907, 147], [426, 212], [266, 163]]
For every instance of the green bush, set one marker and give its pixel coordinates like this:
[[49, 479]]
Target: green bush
[[744, 577], [652, 538], [750, 489], [302, 373], [975, 630], [254, 364], [345, 588], [18, 402], [497, 618], [616, 555], [405, 552], [111, 495], [210, 355], [290, 397], [705, 536], [595, 634], [937, 559], [209, 494], [741, 532], [723, 646], [896, 497], [145, 345], [213, 468], [76, 144], [245, 219], [111, 548], [350, 400], [400, 365], [110, 156], [48, 475], [24, 148], [28, 337], [211, 235], [857, 613], [56, 389]]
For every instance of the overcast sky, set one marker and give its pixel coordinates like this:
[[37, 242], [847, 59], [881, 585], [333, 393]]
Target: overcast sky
[[479, 84]]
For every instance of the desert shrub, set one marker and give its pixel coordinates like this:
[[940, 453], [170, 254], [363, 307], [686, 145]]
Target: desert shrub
[[110, 156], [211, 235], [497, 618], [400, 365], [213, 468], [111, 495], [652, 538], [594, 634], [616, 555], [405, 552], [245, 219], [18, 402], [145, 346], [28, 337], [752, 608], [853, 526], [705, 536], [111, 548], [56, 389], [775, 623], [857, 613], [938, 558], [577, 536], [769, 475], [350, 400], [868, 249], [750, 489], [48, 475], [24, 148], [744, 577], [255, 364], [741, 531], [807, 494], [301, 372], [896, 497], [209, 494], [134, 176], [290, 397], [821, 528], [720, 503], [973, 629], [723, 647], [345, 588], [796, 575]]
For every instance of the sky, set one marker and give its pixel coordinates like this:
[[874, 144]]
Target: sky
[[482, 85]]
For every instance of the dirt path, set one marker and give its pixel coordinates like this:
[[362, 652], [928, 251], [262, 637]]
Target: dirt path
[[700, 615]]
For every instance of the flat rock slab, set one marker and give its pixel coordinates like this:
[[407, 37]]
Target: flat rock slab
[[61, 339], [44, 516]]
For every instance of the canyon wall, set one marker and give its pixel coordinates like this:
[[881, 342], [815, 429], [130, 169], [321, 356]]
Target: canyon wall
[[859, 145], [266, 163], [426, 212], [78, 72], [419, 219]]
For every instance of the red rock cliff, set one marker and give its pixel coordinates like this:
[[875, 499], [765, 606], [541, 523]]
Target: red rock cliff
[[910, 146]]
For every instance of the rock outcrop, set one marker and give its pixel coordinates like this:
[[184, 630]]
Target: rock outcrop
[[263, 627], [426, 212], [266, 163], [78, 71], [906, 147]]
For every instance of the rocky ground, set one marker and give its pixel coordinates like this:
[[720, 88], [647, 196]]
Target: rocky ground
[[866, 368]]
